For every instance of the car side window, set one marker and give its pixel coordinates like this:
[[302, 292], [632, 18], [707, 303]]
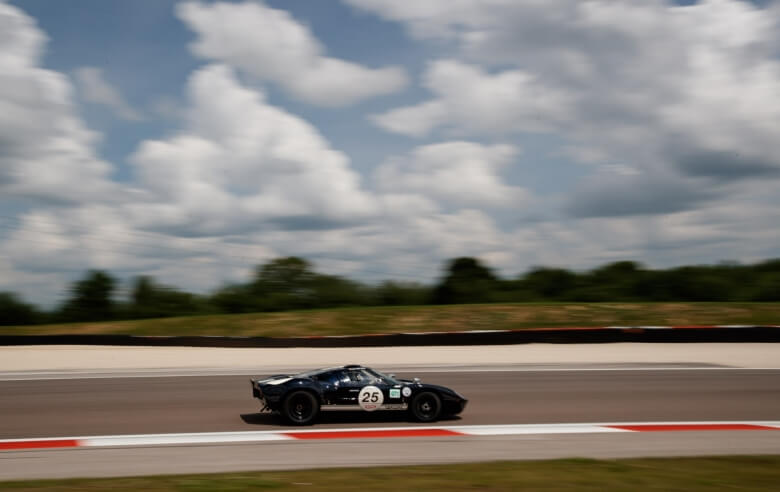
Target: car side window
[[362, 377], [336, 377], [355, 377]]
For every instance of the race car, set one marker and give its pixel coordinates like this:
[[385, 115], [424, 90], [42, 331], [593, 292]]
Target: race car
[[299, 398]]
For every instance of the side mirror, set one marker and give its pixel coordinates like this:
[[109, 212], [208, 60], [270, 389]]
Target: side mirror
[[416, 380]]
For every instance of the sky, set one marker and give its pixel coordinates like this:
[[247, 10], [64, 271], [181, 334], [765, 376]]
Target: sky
[[194, 140]]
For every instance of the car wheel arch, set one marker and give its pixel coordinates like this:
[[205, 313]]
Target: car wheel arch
[[317, 394], [420, 414]]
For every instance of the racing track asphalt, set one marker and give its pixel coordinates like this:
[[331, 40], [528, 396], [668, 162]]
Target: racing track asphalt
[[82, 407], [135, 405]]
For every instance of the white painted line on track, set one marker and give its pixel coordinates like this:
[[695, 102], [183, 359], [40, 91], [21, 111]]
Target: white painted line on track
[[776, 425], [168, 439], [510, 430]]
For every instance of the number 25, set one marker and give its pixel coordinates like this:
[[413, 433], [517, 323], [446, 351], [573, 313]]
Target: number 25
[[372, 397]]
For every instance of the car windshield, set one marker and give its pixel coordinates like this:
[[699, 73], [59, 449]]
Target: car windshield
[[382, 376]]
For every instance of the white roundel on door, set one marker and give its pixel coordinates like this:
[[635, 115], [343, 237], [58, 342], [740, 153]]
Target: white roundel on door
[[370, 398]]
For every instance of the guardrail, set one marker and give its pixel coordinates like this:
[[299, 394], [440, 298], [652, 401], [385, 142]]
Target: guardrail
[[607, 334]]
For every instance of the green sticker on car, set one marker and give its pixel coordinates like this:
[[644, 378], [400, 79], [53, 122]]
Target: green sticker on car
[[395, 393]]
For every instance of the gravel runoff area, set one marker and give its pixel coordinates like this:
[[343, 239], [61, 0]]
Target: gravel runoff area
[[108, 358]]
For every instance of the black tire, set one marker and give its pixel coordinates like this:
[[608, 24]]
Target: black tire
[[300, 408], [426, 407]]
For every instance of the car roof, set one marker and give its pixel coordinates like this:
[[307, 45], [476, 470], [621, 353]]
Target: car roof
[[324, 370], [339, 368]]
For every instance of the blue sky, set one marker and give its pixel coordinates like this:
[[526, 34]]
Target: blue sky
[[141, 48], [193, 140]]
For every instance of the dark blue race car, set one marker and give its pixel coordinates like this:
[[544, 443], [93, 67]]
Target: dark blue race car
[[299, 398]]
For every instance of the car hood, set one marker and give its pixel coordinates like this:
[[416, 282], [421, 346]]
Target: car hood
[[436, 387]]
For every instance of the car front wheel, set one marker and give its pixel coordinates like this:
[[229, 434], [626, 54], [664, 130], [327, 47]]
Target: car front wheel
[[426, 407], [300, 408]]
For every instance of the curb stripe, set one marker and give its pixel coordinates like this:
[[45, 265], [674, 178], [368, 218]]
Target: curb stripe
[[690, 427], [202, 438], [369, 434], [39, 444], [512, 430], [181, 439]]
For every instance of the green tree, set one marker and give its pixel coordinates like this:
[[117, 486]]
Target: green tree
[[402, 294], [151, 300], [235, 299], [15, 312], [143, 291], [91, 298], [284, 283], [772, 265], [334, 291], [612, 282], [549, 283], [767, 287], [466, 281]]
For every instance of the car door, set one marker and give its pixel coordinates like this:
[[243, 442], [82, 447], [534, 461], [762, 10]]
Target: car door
[[356, 380], [330, 383], [341, 389]]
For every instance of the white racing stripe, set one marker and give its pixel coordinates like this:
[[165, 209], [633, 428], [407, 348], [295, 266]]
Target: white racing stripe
[[274, 382]]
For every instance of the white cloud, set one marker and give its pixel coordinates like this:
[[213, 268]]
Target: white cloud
[[49, 249], [440, 19], [674, 109], [460, 173], [47, 152], [271, 45], [399, 205], [408, 247], [687, 91], [242, 163], [468, 232], [95, 89], [471, 101]]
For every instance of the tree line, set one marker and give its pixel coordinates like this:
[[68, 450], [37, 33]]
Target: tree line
[[292, 283]]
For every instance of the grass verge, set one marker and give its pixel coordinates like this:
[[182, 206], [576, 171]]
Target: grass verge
[[747, 473], [349, 321]]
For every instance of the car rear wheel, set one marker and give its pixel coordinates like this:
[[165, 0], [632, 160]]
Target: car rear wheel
[[300, 408], [426, 407]]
